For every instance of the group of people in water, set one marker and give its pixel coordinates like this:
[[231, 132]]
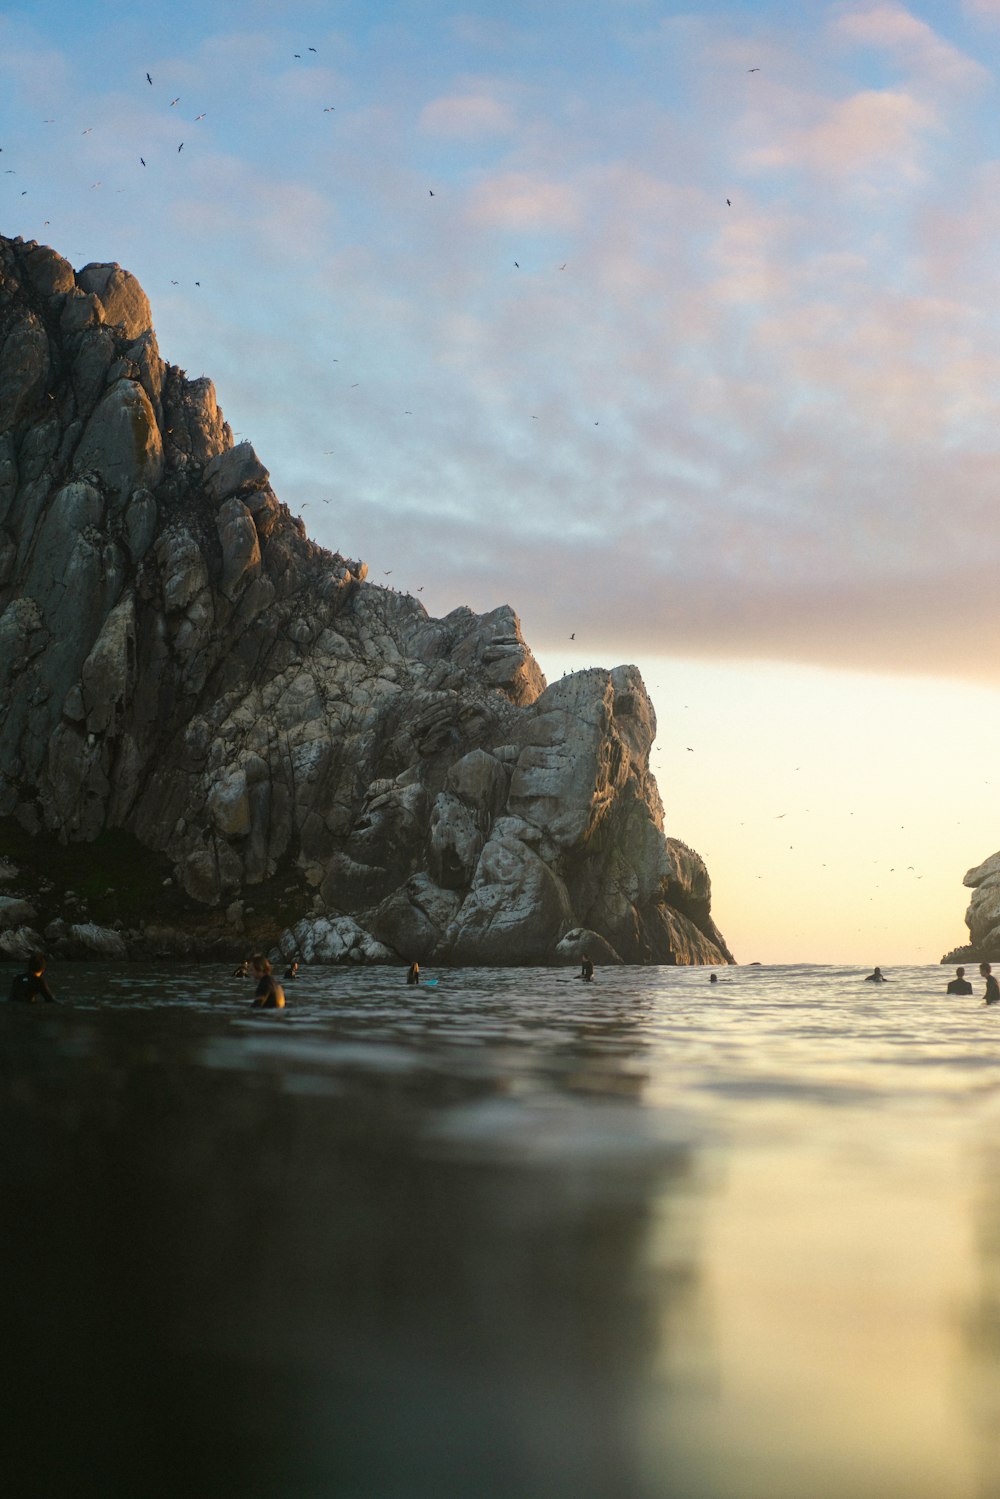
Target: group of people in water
[[31, 986], [958, 985]]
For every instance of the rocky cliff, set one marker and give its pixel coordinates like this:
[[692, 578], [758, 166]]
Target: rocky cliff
[[983, 915], [182, 667]]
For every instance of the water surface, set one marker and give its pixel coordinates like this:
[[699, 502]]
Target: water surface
[[503, 1237]]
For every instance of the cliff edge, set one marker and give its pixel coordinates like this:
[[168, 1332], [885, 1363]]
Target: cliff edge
[[185, 673]]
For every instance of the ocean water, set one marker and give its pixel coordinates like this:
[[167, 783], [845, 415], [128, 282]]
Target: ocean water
[[505, 1236]]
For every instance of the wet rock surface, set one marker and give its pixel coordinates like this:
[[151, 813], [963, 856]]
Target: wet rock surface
[[308, 756]]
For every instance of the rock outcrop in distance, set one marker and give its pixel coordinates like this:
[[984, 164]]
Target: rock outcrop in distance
[[179, 661], [983, 915]]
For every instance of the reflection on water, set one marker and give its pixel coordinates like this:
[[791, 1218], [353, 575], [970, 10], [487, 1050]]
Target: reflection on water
[[504, 1237]]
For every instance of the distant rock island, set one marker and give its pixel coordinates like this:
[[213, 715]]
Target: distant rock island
[[983, 915], [216, 735]]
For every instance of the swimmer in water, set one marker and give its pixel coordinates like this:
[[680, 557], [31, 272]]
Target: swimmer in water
[[413, 973], [959, 984], [268, 994], [243, 971], [878, 977], [292, 971], [992, 995], [30, 986], [587, 968]]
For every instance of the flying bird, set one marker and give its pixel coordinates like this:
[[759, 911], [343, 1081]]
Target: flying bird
[[180, 147], [198, 117], [149, 80], [175, 101], [143, 160], [753, 70], [329, 109], [516, 266], [431, 191], [573, 636], [311, 49], [728, 204]]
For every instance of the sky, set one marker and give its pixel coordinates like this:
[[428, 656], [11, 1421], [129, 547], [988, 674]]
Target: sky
[[675, 327]]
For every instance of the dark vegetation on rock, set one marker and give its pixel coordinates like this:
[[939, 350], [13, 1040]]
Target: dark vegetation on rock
[[215, 732]]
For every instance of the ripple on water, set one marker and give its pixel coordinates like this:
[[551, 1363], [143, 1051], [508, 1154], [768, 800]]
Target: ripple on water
[[645, 1236]]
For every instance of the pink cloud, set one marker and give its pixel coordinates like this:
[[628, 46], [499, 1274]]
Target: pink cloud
[[465, 116], [869, 131], [523, 201], [912, 44]]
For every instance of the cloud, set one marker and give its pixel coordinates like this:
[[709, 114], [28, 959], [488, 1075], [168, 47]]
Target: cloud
[[37, 75], [466, 116], [988, 9], [912, 44], [523, 201], [864, 136], [758, 429]]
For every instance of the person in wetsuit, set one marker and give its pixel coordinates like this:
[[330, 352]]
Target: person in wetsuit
[[878, 977], [992, 995], [292, 971], [959, 984], [268, 994], [413, 973], [587, 968], [30, 986]]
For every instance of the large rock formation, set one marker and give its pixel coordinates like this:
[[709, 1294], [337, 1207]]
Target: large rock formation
[[179, 660], [983, 915]]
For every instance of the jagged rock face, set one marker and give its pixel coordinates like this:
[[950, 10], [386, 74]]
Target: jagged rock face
[[983, 915], [178, 659]]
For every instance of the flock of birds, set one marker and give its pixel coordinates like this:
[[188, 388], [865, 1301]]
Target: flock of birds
[[173, 104], [329, 108], [89, 129]]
